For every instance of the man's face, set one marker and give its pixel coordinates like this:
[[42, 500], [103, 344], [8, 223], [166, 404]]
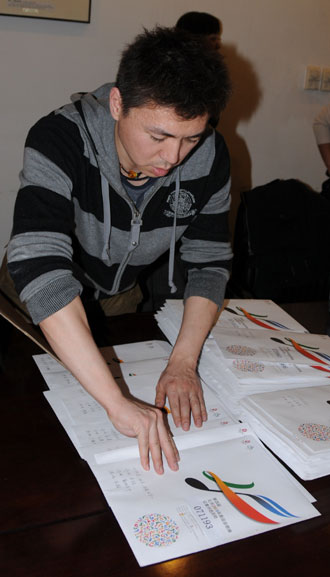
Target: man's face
[[215, 41], [153, 139]]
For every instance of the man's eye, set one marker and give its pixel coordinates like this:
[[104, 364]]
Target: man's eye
[[156, 139]]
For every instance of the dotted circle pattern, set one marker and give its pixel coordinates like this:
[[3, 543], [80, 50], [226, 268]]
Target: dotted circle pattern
[[241, 350], [247, 366], [156, 530], [315, 431]]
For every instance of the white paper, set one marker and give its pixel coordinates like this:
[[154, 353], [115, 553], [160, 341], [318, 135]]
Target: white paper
[[144, 350], [165, 517], [196, 508], [296, 425], [259, 311], [270, 346], [91, 431]]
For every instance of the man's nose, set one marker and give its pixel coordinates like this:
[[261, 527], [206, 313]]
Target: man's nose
[[171, 152]]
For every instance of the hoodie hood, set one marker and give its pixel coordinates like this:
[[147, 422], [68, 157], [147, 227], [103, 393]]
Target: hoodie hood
[[92, 115]]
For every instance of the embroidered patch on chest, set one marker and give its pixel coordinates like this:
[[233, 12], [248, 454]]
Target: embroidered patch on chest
[[186, 202]]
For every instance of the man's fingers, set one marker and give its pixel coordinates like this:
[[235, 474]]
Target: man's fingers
[[175, 449], [185, 410], [198, 409], [183, 405], [173, 399], [185, 396], [160, 398], [155, 439], [155, 449], [168, 446], [203, 407], [143, 441]]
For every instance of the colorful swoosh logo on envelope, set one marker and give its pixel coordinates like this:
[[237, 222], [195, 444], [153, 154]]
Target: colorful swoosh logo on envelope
[[260, 320], [240, 504], [307, 351]]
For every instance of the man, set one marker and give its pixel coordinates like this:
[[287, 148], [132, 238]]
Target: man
[[155, 290], [109, 183]]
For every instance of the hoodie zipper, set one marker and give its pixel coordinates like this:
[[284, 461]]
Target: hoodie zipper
[[134, 242]]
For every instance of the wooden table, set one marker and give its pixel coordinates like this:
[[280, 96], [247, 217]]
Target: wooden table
[[54, 520]]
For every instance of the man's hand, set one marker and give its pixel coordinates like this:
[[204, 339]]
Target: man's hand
[[181, 385], [180, 382], [146, 423]]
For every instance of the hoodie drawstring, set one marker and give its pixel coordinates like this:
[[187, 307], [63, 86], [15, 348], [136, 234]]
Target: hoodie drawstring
[[173, 236], [135, 228], [106, 218]]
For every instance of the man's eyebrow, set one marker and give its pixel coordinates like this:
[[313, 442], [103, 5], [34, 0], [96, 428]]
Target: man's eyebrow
[[162, 132]]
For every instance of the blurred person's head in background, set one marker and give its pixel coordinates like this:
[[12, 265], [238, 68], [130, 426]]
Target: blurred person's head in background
[[203, 24]]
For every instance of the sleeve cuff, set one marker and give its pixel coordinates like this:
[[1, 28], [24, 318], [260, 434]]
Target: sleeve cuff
[[208, 284], [53, 297]]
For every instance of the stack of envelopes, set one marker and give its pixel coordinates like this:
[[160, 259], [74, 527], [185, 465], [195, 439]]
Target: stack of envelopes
[[268, 370], [295, 424]]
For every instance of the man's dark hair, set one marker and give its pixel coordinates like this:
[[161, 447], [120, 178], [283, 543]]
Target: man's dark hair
[[199, 23], [172, 68]]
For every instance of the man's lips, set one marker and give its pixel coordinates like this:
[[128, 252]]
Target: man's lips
[[160, 171]]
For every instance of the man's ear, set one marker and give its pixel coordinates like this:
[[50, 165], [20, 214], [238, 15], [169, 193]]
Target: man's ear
[[115, 103]]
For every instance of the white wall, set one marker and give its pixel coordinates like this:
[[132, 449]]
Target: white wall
[[267, 43]]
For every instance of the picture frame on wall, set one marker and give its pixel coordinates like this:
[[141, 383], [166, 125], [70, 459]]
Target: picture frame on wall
[[72, 10]]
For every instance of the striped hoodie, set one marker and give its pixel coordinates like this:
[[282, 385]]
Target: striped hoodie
[[76, 227]]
